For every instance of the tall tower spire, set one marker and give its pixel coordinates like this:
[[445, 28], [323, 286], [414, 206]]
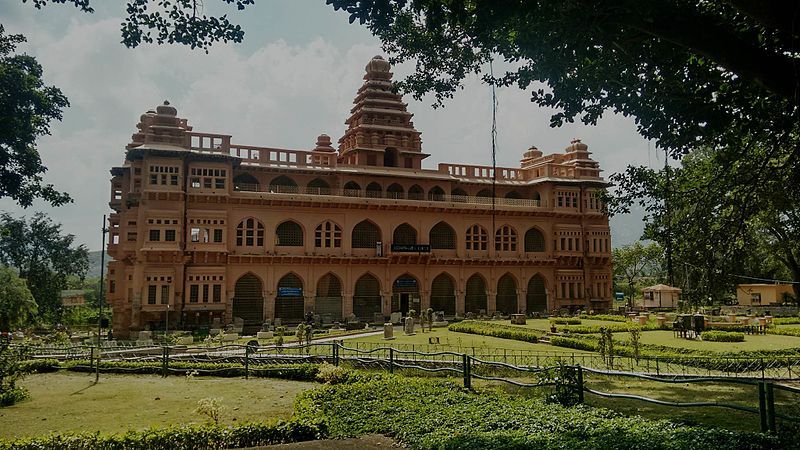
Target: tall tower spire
[[379, 130]]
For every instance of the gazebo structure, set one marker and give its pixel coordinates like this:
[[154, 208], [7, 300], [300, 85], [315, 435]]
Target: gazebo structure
[[661, 296]]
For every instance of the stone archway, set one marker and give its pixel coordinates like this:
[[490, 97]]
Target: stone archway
[[507, 295], [443, 295], [289, 303], [475, 298], [537, 295], [248, 300]]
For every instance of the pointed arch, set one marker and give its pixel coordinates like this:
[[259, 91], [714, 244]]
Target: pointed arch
[[283, 184], [475, 299], [477, 238], [534, 240], [459, 195], [513, 194], [436, 194], [328, 235], [352, 189], [484, 193], [289, 234], [395, 190], [404, 234], [250, 233], [289, 302], [248, 299], [443, 294], [367, 298], [505, 239], [374, 190], [507, 294], [536, 299], [416, 192], [245, 182], [390, 157], [328, 301], [318, 186], [442, 236], [365, 235]]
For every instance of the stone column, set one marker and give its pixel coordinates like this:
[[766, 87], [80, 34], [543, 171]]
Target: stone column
[[269, 305], [522, 300], [347, 304], [309, 301], [424, 300], [491, 302], [386, 303], [460, 303]]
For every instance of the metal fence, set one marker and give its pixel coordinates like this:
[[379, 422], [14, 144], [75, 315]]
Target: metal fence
[[515, 368]]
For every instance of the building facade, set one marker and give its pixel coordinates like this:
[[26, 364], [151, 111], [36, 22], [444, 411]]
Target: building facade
[[205, 229]]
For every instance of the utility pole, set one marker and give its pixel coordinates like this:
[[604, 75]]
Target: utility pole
[[100, 298], [670, 274]]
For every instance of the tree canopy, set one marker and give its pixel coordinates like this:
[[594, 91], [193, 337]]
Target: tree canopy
[[637, 260], [17, 306], [26, 110], [44, 256]]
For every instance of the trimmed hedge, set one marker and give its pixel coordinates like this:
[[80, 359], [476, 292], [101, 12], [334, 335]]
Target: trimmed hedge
[[496, 330], [783, 331], [565, 321], [722, 336], [606, 317], [434, 414], [786, 320], [197, 437], [595, 329]]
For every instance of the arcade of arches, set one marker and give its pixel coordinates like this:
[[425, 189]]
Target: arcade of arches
[[369, 299]]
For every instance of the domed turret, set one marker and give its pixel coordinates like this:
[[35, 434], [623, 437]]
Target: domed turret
[[324, 144], [166, 109], [575, 145], [532, 153], [378, 64]]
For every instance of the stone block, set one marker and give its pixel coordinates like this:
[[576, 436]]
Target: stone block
[[232, 337], [265, 335], [396, 317], [184, 340], [214, 331], [388, 331]]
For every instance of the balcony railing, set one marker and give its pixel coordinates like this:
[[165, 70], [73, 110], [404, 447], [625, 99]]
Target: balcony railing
[[357, 193]]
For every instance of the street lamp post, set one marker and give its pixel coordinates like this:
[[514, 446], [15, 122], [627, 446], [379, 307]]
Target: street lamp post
[[104, 230]]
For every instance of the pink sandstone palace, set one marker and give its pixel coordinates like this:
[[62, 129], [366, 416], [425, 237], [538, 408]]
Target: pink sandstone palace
[[207, 231]]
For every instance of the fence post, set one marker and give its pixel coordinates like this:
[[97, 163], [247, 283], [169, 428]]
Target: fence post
[[658, 372], [771, 408], [391, 360], [762, 368], [247, 362], [91, 357], [580, 383], [165, 361], [466, 369], [762, 406], [335, 353]]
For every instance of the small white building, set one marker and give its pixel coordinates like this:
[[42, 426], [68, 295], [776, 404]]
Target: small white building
[[661, 296]]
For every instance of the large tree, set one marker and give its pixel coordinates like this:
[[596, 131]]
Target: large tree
[[637, 260], [17, 306], [27, 107], [44, 256]]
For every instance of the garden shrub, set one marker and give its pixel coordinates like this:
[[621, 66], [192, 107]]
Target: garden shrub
[[605, 317], [786, 320], [496, 330], [39, 365], [197, 437], [722, 336], [297, 372], [433, 414], [11, 371], [565, 321]]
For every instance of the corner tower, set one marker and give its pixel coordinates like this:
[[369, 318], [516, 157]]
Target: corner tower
[[380, 131]]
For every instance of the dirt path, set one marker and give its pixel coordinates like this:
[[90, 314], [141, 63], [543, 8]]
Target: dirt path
[[369, 442]]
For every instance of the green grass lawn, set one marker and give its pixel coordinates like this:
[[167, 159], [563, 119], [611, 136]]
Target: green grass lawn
[[66, 401], [751, 342], [544, 324]]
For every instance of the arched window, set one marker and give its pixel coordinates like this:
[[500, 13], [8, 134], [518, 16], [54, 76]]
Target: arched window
[[404, 234], [442, 236], [248, 300], [534, 241], [458, 195], [245, 182], [374, 190], [329, 297], [443, 294], [475, 298], [367, 298], [513, 194], [537, 295], [328, 235], [416, 192], [477, 238], [507, 294], [505, 239], [436, 194], [289, 234], [319, 186], [484, 193], [394, 191], [365, 235], [536, 196], [250, 233], [289, 301], [390, 157], [283, 184], [352, 189]]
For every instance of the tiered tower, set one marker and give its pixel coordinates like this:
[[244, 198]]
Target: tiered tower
[[380, 131]]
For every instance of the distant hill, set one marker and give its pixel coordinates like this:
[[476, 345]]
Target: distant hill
[[94, 264]]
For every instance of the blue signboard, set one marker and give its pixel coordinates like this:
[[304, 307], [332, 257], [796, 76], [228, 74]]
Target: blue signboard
[[412, 248], [405, 282], [290, 292], [619, 295]]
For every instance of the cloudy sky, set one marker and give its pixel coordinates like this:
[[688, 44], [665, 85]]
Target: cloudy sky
[[292, 79]]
